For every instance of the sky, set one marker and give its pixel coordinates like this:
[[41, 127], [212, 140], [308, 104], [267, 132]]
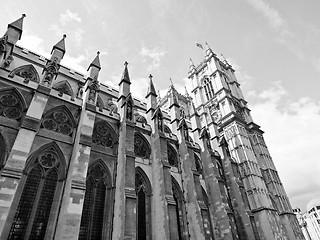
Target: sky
[[273, 46]]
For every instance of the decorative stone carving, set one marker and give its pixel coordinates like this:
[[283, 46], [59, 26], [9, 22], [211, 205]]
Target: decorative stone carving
[[93, 88], [214, 110], [141, 119], [64, 87], [51, 71], [103, 135], [10, 106], [111, 106], [7, 61], [3, 43], [48, 159], [80, 90], [141, 146], [59, 120], [28, 72], [129, 110]]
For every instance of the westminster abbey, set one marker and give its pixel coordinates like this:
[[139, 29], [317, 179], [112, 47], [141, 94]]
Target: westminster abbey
[[83, 160]]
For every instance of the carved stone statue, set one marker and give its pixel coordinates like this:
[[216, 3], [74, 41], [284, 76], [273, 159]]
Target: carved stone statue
[[51, 70], [7, 61]]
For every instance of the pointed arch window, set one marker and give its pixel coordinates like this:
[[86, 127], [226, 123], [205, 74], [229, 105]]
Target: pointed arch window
[[172, 156], [12, 104], [143, 191], [141, 146], [28, 72], [198, 164], [103, 135], [208, 89], [41, 188], [3, 151], [178, 198], [206, 216], [64, 87], [96, 197]]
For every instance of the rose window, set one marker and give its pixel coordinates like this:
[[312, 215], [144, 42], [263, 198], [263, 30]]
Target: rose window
[[48, 160], [10, 107]]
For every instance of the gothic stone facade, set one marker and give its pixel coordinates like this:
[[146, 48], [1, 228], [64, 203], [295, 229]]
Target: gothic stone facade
[[83, 160]]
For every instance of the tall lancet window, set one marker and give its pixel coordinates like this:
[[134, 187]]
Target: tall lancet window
[[143, 191], [42, 179], [94, 207], [180, 214], [208, 89]]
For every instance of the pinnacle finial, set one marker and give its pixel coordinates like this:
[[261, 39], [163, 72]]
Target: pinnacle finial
[[98, 53], [171, 81], [64, 36], [150, 76], [23, 15], [126, 63]]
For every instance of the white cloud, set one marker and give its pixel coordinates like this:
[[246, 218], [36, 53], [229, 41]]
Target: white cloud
[[68, 17], [33, 43], [155, 54], [274, 18], [75, 63], [292, 133]]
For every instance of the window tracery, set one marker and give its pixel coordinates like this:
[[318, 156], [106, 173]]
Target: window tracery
[[143, 191], [198, 164], [208, 89], [42, 174], [11, 105], [59, 120], [64, 88], [92, 218], [103, 135], [172, 156], [27, 72], [141, 146]]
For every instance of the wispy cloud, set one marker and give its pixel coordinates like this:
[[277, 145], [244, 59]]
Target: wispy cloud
[[273, 16], [155, 54], [293, 128], [68, 17]]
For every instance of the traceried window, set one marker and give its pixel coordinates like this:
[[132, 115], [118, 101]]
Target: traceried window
[[93, 213], [172, 156], [103, 135], [11, 104], [42, 175], [208, 89], [59, 119], [3, 151], [206, 216], [143, 191], [198, 164], [179, 200], [141, 146]]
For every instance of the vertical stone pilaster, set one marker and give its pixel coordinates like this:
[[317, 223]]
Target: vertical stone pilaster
[[11, 173], [194, 212], [75, 186], [124, 221], [162, 220]]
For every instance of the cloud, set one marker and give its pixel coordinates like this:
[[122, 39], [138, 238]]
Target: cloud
[[292, 134], [33, 43], [68, 17], [274, 18], [75, 63], [154, 54]]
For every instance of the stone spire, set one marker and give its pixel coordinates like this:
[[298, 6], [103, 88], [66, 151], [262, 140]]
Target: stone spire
[[125, 75], [124, 85], [60, 48], [93, 82], [94, 67], [151, 89], [192, 67], [151, 96], [14, 31]]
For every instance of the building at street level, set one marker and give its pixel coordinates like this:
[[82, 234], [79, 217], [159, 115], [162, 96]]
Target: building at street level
[[83, 160]]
